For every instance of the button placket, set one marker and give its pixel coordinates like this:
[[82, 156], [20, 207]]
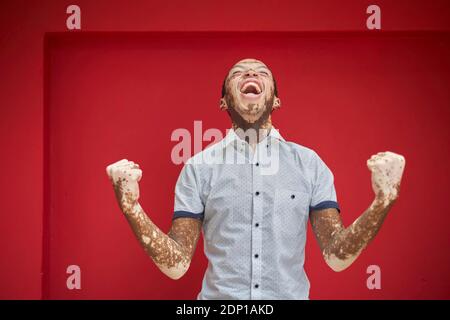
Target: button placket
[[256, 230]]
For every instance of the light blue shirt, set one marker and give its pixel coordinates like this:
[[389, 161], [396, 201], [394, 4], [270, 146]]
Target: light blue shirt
[[255, 210]]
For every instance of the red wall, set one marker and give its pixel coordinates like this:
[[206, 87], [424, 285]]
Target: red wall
[[409, 77]]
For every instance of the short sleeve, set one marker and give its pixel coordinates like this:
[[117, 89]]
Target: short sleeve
[[188, 201], [323, 191]]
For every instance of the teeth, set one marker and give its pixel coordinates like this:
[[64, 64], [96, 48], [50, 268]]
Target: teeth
[[254, 84]]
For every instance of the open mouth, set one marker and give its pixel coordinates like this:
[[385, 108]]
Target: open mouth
[[251, 88]]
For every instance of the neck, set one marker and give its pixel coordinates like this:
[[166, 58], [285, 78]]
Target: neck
[[244, 130]]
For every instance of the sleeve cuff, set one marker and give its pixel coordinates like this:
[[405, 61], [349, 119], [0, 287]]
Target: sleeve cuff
[[187, 214], [325, 205]]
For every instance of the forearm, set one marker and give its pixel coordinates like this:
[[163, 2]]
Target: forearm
[[346, 244], [172, 257]]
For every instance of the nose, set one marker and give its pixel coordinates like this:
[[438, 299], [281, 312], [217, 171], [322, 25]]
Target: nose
[[250, 73]]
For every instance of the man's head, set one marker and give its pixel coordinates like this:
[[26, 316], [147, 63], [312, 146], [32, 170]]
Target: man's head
[[249, 93]]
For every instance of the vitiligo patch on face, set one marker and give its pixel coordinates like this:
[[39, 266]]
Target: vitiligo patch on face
[[249, 95]]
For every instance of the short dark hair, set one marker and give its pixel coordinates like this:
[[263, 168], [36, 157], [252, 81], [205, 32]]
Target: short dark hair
[[224, 87]]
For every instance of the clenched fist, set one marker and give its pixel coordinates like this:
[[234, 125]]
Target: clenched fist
[[387, 170], [125, 176]]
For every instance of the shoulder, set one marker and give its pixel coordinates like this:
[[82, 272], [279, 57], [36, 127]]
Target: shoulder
[[307, 155], [308, 159], [206, 156]]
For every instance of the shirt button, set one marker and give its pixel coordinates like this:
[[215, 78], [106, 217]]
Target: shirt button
[[256, 256], [257, 224], [293, 196], [257, 193], [256, 286], [257, 164]]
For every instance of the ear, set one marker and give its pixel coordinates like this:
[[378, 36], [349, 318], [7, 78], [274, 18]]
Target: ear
[[223, 104], [276, 103]]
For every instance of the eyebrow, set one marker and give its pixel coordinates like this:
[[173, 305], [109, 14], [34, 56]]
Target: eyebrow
[[243, 67]]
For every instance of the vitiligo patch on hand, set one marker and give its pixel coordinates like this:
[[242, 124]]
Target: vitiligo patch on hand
[[387, 170], [171, 255]]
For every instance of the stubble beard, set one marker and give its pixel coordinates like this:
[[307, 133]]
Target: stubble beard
[[250, 121]]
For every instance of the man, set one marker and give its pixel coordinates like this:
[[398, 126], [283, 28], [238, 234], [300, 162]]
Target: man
[[255, 222]]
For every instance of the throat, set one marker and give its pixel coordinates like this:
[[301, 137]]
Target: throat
[[253, 133]]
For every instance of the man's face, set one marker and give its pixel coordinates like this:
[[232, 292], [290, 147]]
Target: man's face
[[249, 91]]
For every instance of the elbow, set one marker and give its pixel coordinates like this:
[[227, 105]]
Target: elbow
[[337, 264], [176, 275], [176, 272], [337, 267]]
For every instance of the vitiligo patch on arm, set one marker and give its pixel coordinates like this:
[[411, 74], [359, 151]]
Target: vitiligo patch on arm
[[341, 246], [172, 253]]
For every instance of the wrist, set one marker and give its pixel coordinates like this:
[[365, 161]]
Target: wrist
[[384, 200]]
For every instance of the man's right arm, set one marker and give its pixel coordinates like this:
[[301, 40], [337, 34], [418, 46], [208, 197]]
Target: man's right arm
[[171, 252]]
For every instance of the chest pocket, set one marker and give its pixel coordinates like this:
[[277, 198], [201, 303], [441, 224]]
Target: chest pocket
[[291, 210]]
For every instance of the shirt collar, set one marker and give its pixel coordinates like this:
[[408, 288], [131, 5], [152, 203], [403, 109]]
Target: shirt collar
[[232, 136]]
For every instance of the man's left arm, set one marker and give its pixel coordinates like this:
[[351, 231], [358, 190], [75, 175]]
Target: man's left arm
[[341, 246]]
